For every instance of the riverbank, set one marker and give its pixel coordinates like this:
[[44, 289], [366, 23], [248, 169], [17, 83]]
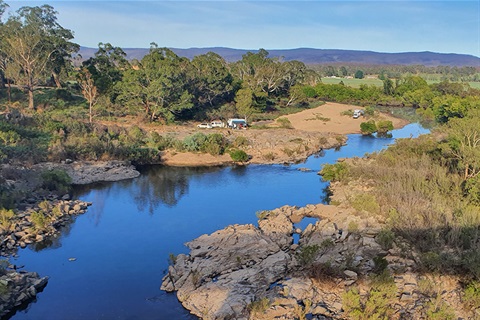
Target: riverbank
[[341, 261], [309, 132], [268, 145]]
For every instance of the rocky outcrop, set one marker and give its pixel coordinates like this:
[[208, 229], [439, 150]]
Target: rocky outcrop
[[37, 223], [17, 289], [249, 272], [85, 172]]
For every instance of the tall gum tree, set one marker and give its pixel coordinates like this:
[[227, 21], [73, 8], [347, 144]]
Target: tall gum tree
[[36, 45], [158, 84]]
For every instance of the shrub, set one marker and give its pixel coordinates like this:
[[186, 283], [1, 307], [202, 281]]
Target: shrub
[[365, 202], [307, 254], [6, 217], [269, 156], [369, 110], [368, 128], [384, 126], [238, 155], [471, 297], [39, 220], [334, 172], [195, 142], [56, 180], [215, 144], [240, 141], [437, 309], [375, 305], [259, 306], [385, 239], [284, 123]]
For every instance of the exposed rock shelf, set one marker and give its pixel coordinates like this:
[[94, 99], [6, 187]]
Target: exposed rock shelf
[[230, 272]]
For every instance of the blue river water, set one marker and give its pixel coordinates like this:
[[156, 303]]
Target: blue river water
[[122, 243]]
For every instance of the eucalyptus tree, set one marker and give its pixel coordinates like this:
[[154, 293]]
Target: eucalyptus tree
[[37, 46], [211, 82], [158, 84], [106, 67], [3, 56]]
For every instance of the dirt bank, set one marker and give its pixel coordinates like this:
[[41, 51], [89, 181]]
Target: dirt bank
[[323, 127]]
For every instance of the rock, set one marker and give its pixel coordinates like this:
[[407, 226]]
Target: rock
[[351, 274]]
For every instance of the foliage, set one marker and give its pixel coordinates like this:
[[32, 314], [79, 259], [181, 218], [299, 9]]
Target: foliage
[[437, 309], [384, 126], [369, 127], [385, 238], [334, 172], [377, 304], [471, 297], [6, 217], [258, 307], [365, 202], [56, 180], [240, 141], [238, 155], [39, 220], [307, 254]]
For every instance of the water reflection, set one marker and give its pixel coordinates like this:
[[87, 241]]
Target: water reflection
[[164, 185]]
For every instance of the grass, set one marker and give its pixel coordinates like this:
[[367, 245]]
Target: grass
[[355, 83]]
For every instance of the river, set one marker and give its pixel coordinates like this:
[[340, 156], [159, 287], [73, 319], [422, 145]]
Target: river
[[122, 244]]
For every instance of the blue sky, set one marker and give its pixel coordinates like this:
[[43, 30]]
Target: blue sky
[[383, 26]]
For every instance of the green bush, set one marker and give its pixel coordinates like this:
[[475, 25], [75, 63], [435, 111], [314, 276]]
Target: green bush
[[39, 220], [308, 254], [385, 239], [56, 180], [194, 142], [368, 128], [365, 202], [384, 126], [238, 155], [6, 217], [471, 297], [215, 144], [334, 172]]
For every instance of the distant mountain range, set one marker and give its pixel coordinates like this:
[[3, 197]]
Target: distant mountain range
[[322, 56]]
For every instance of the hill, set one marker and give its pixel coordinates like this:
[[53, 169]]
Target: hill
[[322, 56]]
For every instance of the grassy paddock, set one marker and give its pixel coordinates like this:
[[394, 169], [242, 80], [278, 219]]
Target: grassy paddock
[[355, 83]]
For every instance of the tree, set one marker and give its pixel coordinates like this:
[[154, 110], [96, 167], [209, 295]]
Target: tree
[[359, 74], [158, 84], [35, 44], [368, 128], [388, 88], [3, 56], [210, 80], [106, 67], [89, 90], [462, 145]]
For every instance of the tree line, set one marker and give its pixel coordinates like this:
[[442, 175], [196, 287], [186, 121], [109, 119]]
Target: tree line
[[35, 50]]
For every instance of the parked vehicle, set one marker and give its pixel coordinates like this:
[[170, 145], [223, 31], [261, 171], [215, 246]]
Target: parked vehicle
[[217, 124], [204, 126], [357, 113], [237, 123]]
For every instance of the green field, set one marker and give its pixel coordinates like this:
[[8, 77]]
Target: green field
[[355, 83]]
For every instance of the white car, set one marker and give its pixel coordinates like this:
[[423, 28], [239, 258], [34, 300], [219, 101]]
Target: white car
[[204, 126], [217, 124]]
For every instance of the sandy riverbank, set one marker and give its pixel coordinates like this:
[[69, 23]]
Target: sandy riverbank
[[323, 127]]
